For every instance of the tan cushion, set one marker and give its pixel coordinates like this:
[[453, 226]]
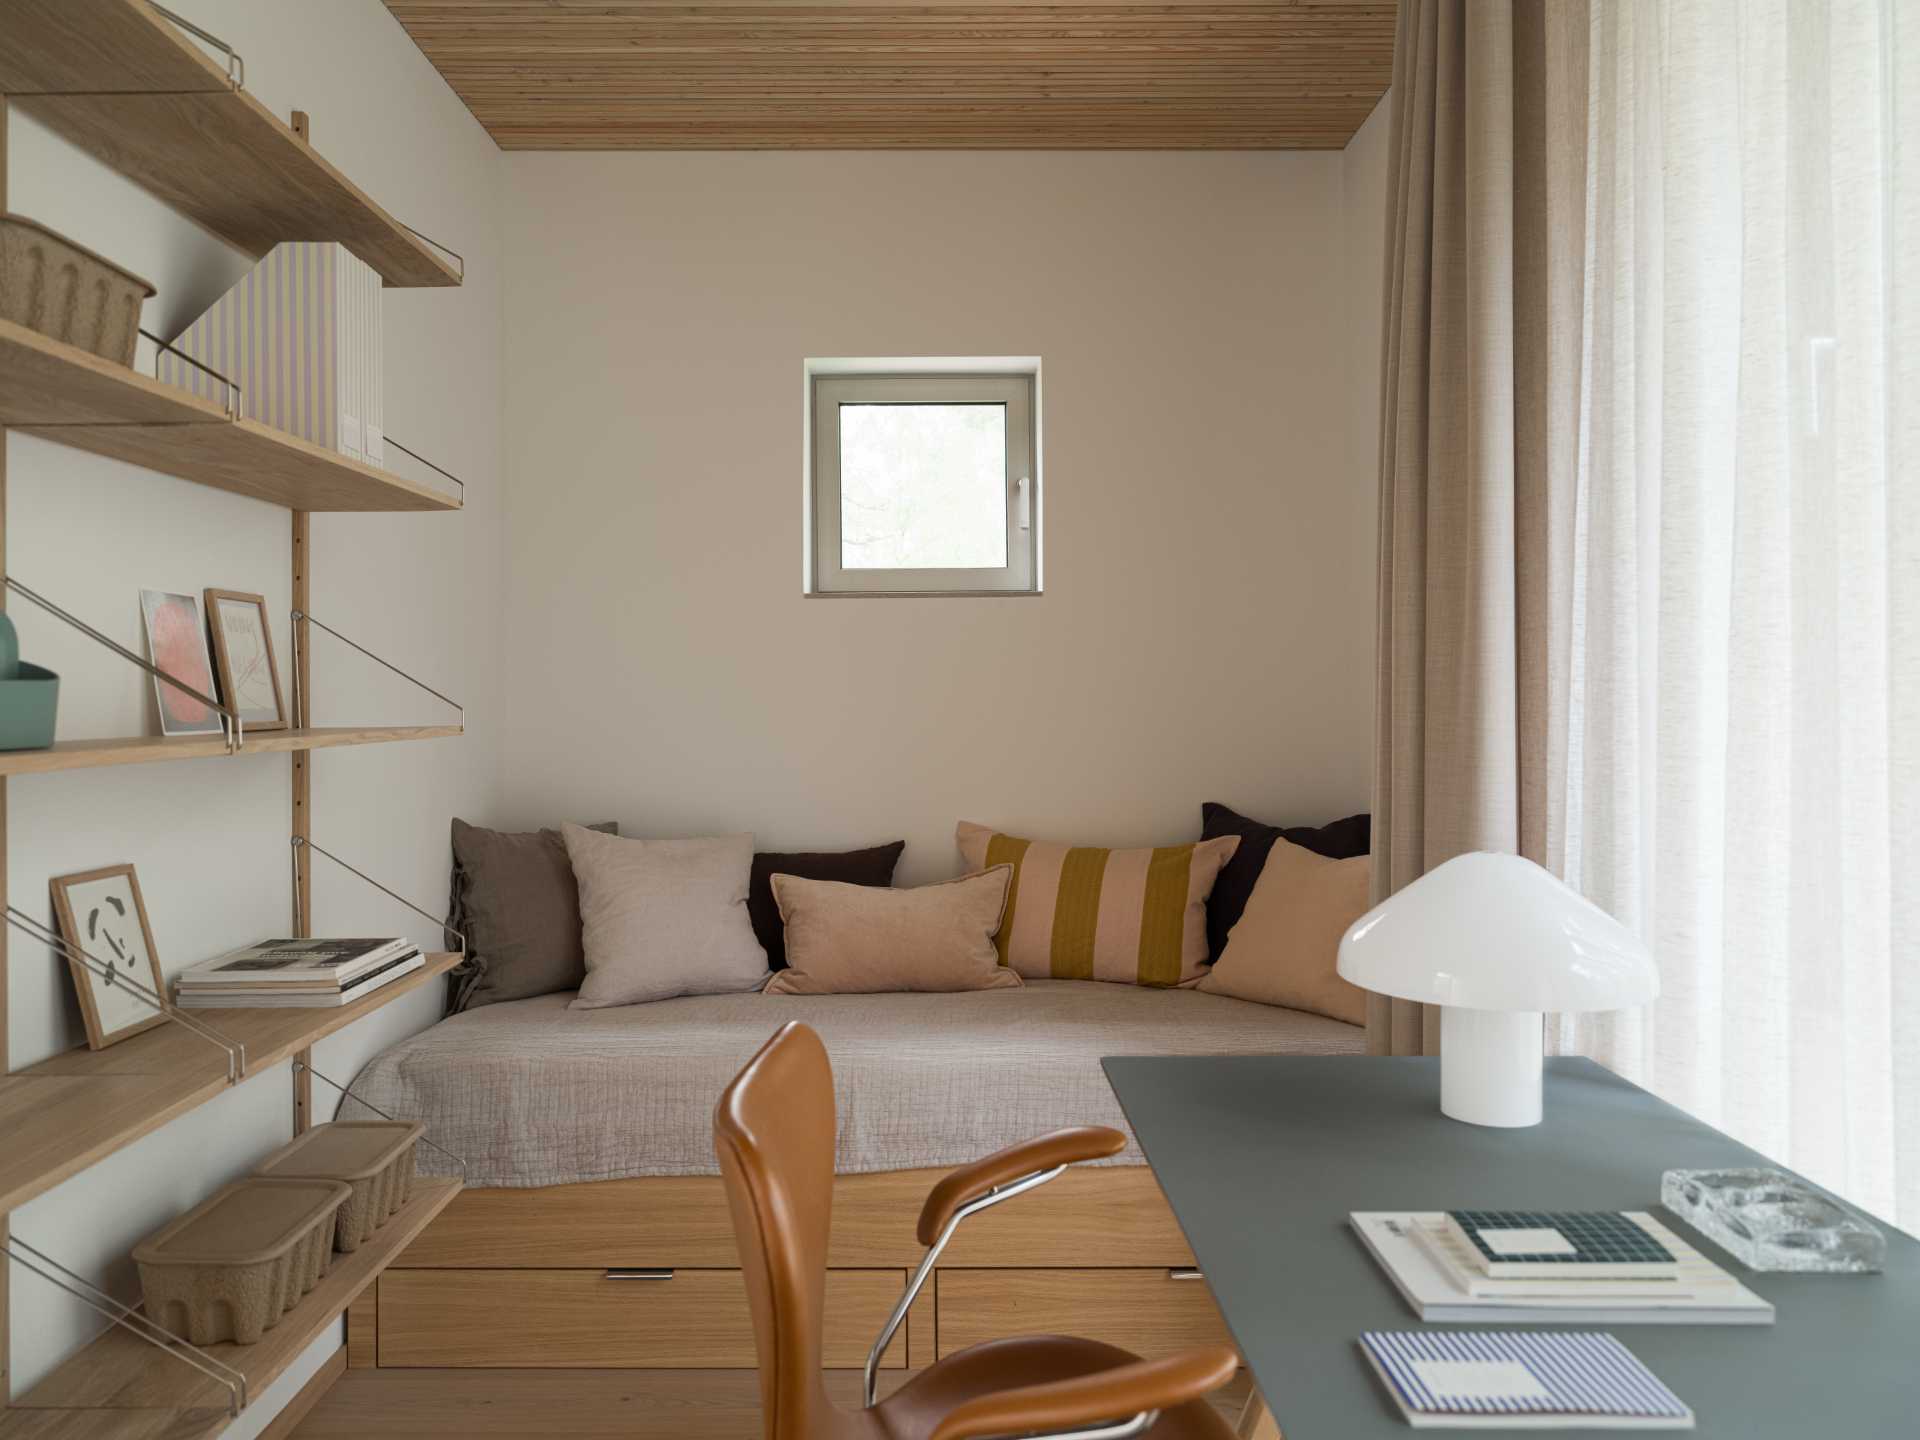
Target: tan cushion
[[1284, 947], [856, 939], [1079, 912]]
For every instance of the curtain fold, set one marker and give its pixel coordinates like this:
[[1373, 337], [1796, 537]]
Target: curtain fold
[[1481, 369], [1650, 530]]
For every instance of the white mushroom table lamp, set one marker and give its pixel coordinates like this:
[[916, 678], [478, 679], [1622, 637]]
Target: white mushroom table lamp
[[1496, 941]]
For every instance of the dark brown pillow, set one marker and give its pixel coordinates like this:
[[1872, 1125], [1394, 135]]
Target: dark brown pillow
[[515, 897], [1338, 840], [850, 867]]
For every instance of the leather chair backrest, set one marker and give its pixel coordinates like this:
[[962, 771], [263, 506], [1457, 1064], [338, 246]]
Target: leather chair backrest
[[774, 1135]]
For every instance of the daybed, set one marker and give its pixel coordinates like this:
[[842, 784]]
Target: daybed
[[595, 1233]]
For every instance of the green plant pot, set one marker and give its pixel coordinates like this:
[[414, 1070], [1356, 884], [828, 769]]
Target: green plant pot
[[27, 707]]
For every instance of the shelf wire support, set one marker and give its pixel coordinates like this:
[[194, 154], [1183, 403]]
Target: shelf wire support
[[444, 249], [230, 722], [236, 65], [236, 1051], [231, 396], [302, 619], [437, 469], [126, 1317], [300, 842], [346, 1093]]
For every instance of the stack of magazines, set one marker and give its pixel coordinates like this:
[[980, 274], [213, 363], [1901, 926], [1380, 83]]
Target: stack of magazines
[[1595, 1267], [292, 973]]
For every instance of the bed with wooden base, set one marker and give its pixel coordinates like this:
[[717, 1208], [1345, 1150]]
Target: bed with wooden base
[[642, 1271]]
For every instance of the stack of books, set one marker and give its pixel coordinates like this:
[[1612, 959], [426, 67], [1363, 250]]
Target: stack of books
[[293, 973], [1491, 1379], [1519, 1267]]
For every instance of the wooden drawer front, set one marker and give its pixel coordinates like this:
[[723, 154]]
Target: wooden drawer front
[[1139, 1310], [582, 1319], [683, 1220]]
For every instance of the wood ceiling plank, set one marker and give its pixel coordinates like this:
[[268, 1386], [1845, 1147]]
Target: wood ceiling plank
[[939, 74]]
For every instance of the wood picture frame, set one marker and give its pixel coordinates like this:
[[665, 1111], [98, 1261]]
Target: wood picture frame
[[243, 658], [103, 913]]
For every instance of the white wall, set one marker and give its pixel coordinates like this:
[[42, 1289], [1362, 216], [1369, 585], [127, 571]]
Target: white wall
[[209, 837], [1206, 630]]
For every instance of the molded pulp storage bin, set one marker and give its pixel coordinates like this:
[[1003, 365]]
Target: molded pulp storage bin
[[375, 1157], [68, 293], [230, 1267]]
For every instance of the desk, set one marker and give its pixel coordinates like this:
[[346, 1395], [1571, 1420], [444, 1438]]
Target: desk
[[1263, 1157]]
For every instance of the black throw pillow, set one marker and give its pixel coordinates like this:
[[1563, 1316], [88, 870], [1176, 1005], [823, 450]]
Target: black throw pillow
[[1337, 840], [851, 867]]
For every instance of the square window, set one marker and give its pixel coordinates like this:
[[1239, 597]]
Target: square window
[[923, 484]]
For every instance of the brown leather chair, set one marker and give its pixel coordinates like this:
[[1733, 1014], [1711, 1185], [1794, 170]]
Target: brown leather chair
[[774, 1134]]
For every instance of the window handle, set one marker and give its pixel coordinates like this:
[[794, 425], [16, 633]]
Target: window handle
[[1023, 498]]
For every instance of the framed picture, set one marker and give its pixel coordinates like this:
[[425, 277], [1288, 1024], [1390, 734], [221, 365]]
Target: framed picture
[[101, 912], [243, 658], [177, 643]]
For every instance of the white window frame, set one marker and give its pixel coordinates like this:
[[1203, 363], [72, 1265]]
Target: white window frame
[[1020, 575]]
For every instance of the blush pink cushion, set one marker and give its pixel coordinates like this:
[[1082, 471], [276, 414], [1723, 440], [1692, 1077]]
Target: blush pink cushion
[[856, 939]]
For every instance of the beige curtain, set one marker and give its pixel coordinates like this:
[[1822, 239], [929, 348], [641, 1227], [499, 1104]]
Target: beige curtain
[[1480, 389]]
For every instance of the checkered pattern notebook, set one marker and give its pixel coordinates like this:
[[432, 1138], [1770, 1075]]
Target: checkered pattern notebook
[[1521, 1380], [1595, 1244]]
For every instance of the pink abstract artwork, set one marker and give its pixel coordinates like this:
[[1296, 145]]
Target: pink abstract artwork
[[177, 642]]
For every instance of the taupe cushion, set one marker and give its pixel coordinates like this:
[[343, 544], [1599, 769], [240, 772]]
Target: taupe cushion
[[1285, 946], [859, 939], [660, 918], [515, 899]]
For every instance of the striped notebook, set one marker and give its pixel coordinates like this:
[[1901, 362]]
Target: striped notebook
[[1521, 1380]]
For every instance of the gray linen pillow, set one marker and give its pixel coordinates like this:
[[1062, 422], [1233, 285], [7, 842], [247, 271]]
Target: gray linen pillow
[[514, 896], [660, 918]]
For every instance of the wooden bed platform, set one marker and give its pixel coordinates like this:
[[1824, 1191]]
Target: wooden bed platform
[[643, 1275]]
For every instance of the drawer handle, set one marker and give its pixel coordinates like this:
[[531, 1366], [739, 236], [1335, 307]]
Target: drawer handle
[[625, 1274], [1185, 1274]]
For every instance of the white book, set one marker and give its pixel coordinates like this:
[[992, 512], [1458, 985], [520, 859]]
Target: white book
[[1705, 1294], [1508, 1380], [1445, 1248], [206, 998]]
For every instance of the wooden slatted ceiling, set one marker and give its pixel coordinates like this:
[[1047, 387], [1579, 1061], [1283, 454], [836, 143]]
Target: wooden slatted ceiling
[[937, 74]]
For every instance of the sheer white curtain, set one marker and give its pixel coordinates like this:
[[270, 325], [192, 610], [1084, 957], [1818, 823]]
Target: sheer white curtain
[[1740, 775]]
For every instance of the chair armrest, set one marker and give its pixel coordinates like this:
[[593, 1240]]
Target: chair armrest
[[1044, 1152], [1085, 1400]]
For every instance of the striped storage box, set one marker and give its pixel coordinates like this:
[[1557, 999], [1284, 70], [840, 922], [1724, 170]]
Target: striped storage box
[[300, 335]]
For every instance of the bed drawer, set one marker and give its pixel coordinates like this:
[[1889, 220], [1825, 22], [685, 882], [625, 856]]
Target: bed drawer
[[698, 1319], [1150, 1312]]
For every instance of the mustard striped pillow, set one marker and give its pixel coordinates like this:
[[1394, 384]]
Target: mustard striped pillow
[[1078, 912]]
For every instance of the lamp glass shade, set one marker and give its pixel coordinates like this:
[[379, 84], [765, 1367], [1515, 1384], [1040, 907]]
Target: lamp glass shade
[[1497, 932]]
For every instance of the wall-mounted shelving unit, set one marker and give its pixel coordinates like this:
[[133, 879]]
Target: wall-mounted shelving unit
[[152, 749], [63, 394], [122, 81], [124, 84], [132, 1384], [78, 1107]]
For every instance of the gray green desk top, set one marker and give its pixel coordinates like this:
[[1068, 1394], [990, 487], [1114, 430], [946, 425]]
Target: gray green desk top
[[1262, 1158]]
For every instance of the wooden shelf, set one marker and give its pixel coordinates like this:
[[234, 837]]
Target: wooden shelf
[[130, 88], [109, 1424], [119, 1372], [149, 749], [74, 1110], [63, 394]]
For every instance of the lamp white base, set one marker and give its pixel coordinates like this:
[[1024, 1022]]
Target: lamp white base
[[1490, 1064]]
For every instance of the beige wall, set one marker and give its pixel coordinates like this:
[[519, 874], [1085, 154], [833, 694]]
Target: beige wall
[[209, 837], [1206, 630]]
